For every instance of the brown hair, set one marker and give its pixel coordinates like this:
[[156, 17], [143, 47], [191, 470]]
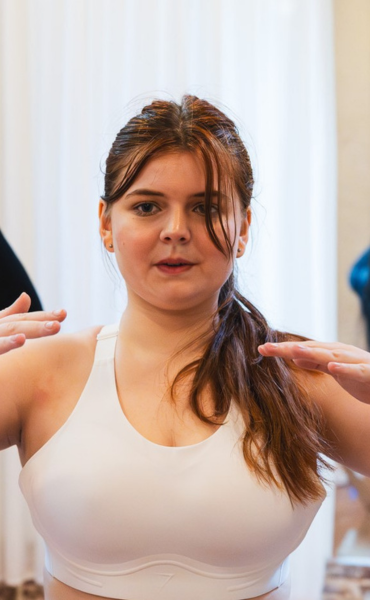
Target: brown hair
[[282, 440]]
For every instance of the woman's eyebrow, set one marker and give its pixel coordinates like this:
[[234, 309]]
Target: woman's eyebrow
[[214, 194], [144, 192], [202, 194]]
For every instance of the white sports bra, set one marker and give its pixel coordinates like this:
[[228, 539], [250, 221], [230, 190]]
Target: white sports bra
[[123, 517]]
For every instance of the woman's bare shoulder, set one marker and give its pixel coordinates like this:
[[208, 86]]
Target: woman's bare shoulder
[[42, 361], [63, 344], [66, 365], [38, 371]]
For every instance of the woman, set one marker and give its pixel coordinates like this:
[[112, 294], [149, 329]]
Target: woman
[[169, 459]]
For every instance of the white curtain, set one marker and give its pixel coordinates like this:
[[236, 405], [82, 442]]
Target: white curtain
[[73, 71]]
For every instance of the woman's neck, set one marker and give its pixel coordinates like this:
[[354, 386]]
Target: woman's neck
[[162, 333]]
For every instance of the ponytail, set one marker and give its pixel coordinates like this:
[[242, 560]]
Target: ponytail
[[282, 440]]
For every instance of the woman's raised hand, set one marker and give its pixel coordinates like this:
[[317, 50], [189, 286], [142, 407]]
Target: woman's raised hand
[[349, 365], [17, 324]]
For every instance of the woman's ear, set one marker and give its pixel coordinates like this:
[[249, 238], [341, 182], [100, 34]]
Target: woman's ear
[[244, 232], [105, 226]]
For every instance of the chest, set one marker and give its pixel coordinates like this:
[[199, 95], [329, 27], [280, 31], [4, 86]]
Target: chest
[[107, 493], [135, 497], [144, 397], [158, 415], [103, 489]]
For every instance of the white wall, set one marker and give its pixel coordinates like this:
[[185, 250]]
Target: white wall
[[352, 51]]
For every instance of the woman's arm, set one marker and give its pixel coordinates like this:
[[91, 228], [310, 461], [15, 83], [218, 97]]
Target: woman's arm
[[20, 371], [17, 324], [346, 415], [346, 421]]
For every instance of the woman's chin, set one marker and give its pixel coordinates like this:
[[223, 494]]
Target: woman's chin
[[176, 303]]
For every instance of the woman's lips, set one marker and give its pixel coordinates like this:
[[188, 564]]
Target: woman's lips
[[174, 268]]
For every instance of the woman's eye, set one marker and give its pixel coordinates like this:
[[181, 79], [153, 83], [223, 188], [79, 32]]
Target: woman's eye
[[145, 209], [201, 209]]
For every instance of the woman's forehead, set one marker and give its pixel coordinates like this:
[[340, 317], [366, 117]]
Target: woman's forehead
[[184, 168], [172, 171]]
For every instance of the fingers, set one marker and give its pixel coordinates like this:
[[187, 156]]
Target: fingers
[[31, 329], [289, 350], [305, 358], [55, 315], [339, 360], [17, 324], [348, 365], [18, 312], [319, 352], [359, 372], [22, 304], [12, 342], [311, 365]]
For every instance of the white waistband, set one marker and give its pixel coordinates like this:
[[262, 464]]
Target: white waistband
[[164, 577]]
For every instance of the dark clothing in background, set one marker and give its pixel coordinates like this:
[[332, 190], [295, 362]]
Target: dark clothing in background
[[14, 279]]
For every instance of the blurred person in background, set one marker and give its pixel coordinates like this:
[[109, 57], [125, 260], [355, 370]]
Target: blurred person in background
[[14, 279]]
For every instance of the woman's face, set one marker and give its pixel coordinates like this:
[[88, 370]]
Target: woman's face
[[160, 240]]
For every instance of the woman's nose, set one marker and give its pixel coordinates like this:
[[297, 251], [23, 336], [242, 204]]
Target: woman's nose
[[176, 227]]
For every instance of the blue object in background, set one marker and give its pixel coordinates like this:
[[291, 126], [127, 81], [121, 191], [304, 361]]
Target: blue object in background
[[360, 273], [360, 281]]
